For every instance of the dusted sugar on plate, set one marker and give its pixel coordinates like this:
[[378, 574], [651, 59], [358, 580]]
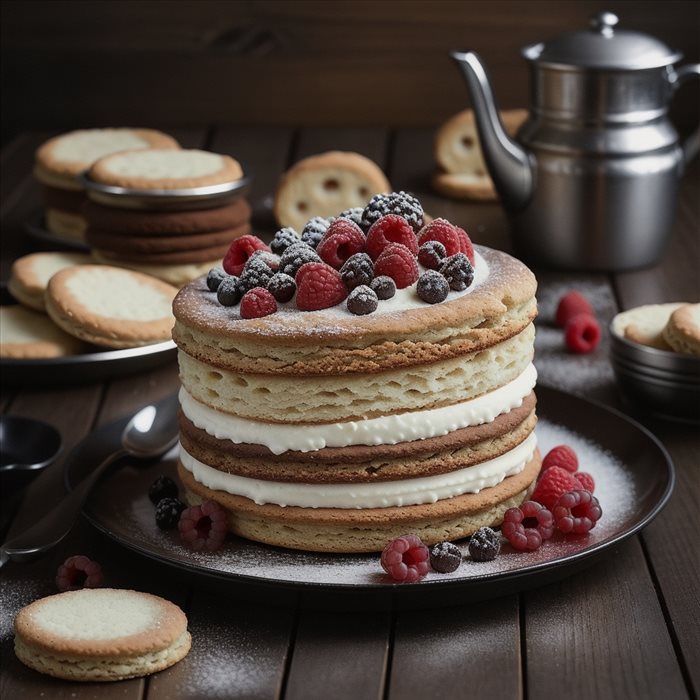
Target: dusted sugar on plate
[[337, 396]]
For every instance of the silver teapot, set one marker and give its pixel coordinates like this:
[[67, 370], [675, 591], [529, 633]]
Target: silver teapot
[[591, 179]]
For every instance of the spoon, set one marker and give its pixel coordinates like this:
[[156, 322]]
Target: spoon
[[150, 433], [27, 444]]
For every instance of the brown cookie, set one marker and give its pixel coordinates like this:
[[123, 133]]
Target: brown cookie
[[173, 258]]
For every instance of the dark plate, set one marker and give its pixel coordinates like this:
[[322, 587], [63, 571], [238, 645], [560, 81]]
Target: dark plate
[[633, 473], [35, 227]]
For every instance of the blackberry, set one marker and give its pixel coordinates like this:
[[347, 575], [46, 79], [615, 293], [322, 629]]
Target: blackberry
[[383, 286], [229, 291], [162, 487], [256, 273], [283, 239], [431, 254], [282, 287], [295, 256], [484, 545], [215, 277], [445, 557], [168, 513], [362, 301], [313, 232], [265, 256], [357, 270], [432, 287], [458, 271], [354, 214], [400, 203]]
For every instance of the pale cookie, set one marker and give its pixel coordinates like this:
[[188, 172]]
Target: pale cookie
[[31, 273], [326, 184], [66, 224], [26, 334], [682, 332], [464, 186], [110, 306], [159, 169], [645, 324], [101, 634]]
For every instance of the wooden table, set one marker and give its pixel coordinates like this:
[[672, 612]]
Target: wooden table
[[627, 627]]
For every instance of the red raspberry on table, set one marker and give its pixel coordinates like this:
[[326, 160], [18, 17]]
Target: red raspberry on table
[[406, 559], [570, 305], [465, 244], [319, 286], [391, 228], [577, 512], [204, 526], [258, 302], [586, 481], [342, 240], [528, 526], [79, 572], [582, 333], [240, 251], [561, 456], [397, 262], [553, 483], [443, 231]]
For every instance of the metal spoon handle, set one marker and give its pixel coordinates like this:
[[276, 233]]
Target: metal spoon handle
[[57, 523]]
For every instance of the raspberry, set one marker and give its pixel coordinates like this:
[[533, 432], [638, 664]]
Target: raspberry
[[314, 230], [229, 291], [214, 278], [577, 512], [203, 527], [484, 544], [362, 301], [257, 302], [384, 287], [552, 484], [458, 271], [162, 487], [432, 287], [561, 456], [465, 244], [582, 333], [528, 526], [431, 254], [168, 513], [239, 252], [295, 256], [282, 287], [406, 559], [354, 214], [400, 203], [445, 557], [390, 229], [570, 305], [342, 240], [319, 286], [256, 273], [586, 481], [442, 231], [357, 270], [397, 262], [79, 572], [283, 239]]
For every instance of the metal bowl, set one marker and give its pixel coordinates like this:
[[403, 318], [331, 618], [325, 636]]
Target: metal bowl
[[655, 373]]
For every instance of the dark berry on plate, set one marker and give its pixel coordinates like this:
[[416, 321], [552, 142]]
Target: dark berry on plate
[[527, 526], [354, 214], [295, 256], [400, 203], [572, 304], [458, 271], [168, 513], [577, 512], [203, 527], [561, 456], [362, 301], [282, 287], [162, 487], [484, 545], [357, 270], [215, 277], [384, 287], [79, 572], [256, 273], [582, 333], [229, 291], [432, 287], [265, 256], [283, 239], [431, 254], [445, 557], [314, 229], [406, 559], [257, 302]]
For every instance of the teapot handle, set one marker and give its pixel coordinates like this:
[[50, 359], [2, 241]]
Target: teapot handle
[[691, 145]]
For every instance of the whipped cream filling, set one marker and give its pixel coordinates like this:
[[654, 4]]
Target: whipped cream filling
[[384, 430], [381, 494]]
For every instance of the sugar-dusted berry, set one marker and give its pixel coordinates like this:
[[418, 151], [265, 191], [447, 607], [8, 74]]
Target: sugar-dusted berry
[[397, 262], [343, 239], [257, 302], [406, 559], [295, 256], [527, 526], [319, 286], [458, 271], [283, 239], [484, 544], [577, 512], [362, 301], [465, 244], [229, 291], [282, 287], [214, 278], [400, 203], [391, 228], [78, 572], [314, 230], [256, 273], [357, 269], [432, 287], [442, 231], [445, 557], [354, 214], [431, 254], [203, 527], [384, 287], [572, 304], [553, 483], [582, 333], [561, 456], [239, 252]]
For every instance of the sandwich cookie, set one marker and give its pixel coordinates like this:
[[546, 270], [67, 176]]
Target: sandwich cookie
[[682, 332], [177, 257], [645, 324]]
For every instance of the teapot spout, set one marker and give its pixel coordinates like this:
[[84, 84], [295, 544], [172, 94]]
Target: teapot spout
[[509, 165]]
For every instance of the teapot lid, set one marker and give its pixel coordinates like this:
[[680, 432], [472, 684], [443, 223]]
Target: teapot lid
[[602, 46]]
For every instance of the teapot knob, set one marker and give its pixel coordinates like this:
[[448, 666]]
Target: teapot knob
[[604, 22]]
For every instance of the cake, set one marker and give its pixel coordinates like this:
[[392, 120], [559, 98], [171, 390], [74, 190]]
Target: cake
[[329, 431]]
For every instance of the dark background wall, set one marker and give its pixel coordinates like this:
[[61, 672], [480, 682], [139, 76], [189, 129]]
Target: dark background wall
[[173, 63]]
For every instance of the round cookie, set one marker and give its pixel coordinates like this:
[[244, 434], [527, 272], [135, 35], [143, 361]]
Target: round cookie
[[65, 224], [110, 306], [682, 332], [325, 184], [159, 169], [178, 257], [26, 334], [31, 273], [468, 186], [645, 324], [101, 634]]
